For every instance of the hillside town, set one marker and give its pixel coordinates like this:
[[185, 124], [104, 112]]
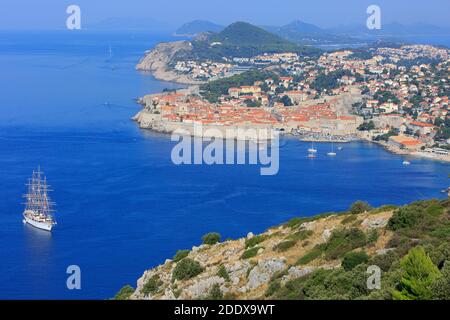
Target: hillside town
[[204, 71], [395, 96]]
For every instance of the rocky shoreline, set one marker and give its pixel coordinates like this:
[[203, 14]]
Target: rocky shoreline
[[226, 266], [157, 60], [416, 154]]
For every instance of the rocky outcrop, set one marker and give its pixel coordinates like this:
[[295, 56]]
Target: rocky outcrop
[[296, 272], [263, 271], [157, 61], [375, 223], [202, 287], [248, 276]]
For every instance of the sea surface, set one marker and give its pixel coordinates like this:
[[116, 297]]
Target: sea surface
[[66, 101]]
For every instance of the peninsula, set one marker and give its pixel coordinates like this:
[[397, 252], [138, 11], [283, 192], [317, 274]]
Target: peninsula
[[244, 76]]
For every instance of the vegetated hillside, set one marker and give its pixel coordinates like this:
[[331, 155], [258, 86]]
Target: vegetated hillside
[[241, 39], [323, 257], [246, 34], [198, 26], [214, 89]]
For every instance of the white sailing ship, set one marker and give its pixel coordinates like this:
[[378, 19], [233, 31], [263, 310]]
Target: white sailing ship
[[38, 207]]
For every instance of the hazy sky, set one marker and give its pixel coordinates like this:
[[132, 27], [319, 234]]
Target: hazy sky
[[51, 14]]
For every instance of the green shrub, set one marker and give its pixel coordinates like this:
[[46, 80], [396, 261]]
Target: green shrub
[[300, 235], [439, 254], [372, 236], [285, 245], [152, 285], [440, 288], [180, 255], [294, 222], [253, 241], [442, 232], [405, 217], [352, 259], [292, 290], [310, 256], [418, 273], [446, 202], [279, 274], [250, 253], [349, 219], [222, 272], [187, 269], [273, 287], [343, 241], [397, 240], [359, 207], [176, 293], [211, 238], [124, 293], [295, 288], [215, 293], [252, 265], [384, 261], [435, 210], [336, 284], [385, 208]]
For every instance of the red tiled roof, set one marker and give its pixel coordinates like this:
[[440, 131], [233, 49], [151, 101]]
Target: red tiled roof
[[421, 124]]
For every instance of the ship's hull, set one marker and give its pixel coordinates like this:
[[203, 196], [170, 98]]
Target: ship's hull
[[37, 224]]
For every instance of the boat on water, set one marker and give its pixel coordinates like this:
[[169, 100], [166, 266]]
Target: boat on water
[[406, 163], [38, 207], [312, 149], [331, 153], [113, 67]]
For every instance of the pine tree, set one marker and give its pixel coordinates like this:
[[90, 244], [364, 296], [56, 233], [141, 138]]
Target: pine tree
[[419, 273]]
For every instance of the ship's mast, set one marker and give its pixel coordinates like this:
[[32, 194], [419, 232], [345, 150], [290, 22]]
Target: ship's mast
[[37, 197]]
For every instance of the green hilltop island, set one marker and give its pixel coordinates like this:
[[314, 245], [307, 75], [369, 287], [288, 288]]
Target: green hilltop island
[[329, 256]]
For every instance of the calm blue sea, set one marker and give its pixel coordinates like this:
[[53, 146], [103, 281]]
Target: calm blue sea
[[122, 206]]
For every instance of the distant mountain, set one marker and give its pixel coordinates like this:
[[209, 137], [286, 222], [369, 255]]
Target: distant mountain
[[300, 26], [246, 34], [393, 29], [198, 26], [310, 34], [239, 39]]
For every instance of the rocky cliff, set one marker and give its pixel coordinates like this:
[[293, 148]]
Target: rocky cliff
[[158, 60], [246, 268]]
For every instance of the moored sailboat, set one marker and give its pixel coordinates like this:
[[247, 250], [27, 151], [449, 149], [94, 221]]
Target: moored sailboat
[[312, 149], [332, 153]]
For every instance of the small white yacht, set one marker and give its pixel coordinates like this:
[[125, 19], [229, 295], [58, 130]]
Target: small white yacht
[[331, 153], [312, 149]]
